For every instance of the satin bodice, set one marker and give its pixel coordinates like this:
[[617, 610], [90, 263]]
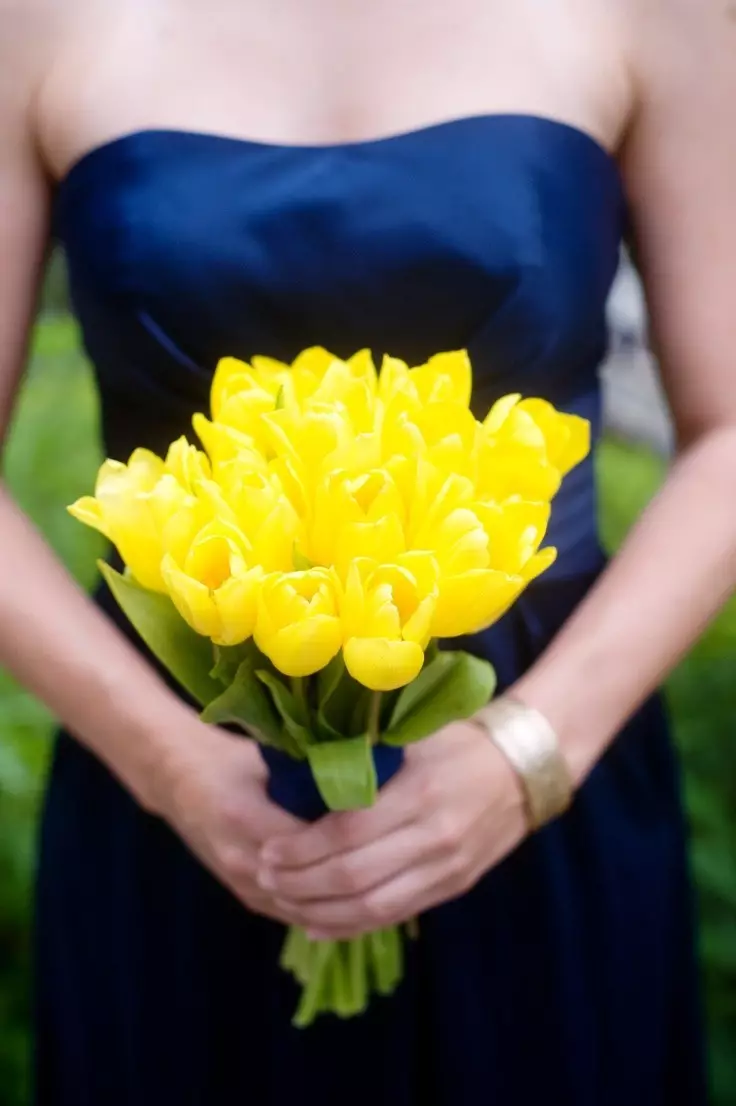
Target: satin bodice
[[498, 233]]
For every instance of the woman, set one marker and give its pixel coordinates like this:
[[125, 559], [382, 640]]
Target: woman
[[252, 177]]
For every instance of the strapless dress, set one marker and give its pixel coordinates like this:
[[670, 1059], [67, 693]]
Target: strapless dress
[[566, 976]]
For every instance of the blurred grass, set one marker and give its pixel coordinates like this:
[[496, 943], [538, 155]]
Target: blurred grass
[[51, 458]]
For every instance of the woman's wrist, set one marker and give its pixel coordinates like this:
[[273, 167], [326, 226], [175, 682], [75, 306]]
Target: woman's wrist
[[580, 742], [152, 741], [531, 747]]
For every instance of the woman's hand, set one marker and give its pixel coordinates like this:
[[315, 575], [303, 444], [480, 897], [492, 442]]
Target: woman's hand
[[214, 797], [453, 811]]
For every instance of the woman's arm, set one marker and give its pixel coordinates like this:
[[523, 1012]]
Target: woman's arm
[[51, 637], [679, 564], [208, 784], [456, 809]]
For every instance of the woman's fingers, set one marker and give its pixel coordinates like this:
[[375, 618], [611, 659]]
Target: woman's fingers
[[394, 902], [354, 872], [396, 806]]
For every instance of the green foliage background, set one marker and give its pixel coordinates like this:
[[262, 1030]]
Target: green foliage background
[[51, 458]]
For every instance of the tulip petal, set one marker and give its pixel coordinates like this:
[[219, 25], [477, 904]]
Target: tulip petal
[[382, 541], [500, 411], [394, 379], [88, 511], [515, 531], [418, 628], [227, 369], [187, 463], [381, 664], [539, 563], [446, 378], [578, 444], [316, 360], [304, 647], [223, 443], [144, 468], [192, 599], [353, 604], [473, 601], [362, 366], [237, 604]]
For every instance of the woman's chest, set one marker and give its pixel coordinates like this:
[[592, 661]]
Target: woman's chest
[[325, 71]]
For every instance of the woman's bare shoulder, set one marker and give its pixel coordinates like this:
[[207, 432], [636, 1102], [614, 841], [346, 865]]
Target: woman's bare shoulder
[[669, 36], [34, 34], [27, 25], [28, 29]]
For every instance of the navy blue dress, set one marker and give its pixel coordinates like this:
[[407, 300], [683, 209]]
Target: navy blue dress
[[566, 977]]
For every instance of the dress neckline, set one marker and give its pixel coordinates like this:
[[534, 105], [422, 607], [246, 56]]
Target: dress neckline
[[119, 142]]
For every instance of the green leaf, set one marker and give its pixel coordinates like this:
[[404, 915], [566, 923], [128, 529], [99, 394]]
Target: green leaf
[[186, 654], [292, 711], [453, 686], [329, 677], [326, 731], [423, 685], [246, 703], [230, 657], [338, 696], [344, 772]]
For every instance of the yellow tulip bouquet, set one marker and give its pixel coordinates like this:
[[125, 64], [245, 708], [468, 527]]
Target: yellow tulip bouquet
[[296, 575]]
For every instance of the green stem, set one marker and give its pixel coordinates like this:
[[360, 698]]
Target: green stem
[[312, 997], [374, 717], [342, 1000], [297, 955], [299, 690], [358, 973]]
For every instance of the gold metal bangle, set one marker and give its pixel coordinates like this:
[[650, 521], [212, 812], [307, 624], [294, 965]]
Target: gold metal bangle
[[530, 744]]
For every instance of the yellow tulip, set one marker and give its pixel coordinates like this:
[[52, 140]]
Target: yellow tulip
[[289, 474], [225, 443], [320, 375], [356, 516], [386, 483], [473, 601], [515, 532], [387, 612], [308, 439], [263, 512], [306, 370], [231, 377], [292, 384], [445, 378], [509, 468], [480, 579], [297, 624], [447, 434], [355, 397], [316, 374], [434, 496], [178, 515], [567, 436], [187, 464], [244, 410], [563, 440], [214, 589], [121, 510]]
